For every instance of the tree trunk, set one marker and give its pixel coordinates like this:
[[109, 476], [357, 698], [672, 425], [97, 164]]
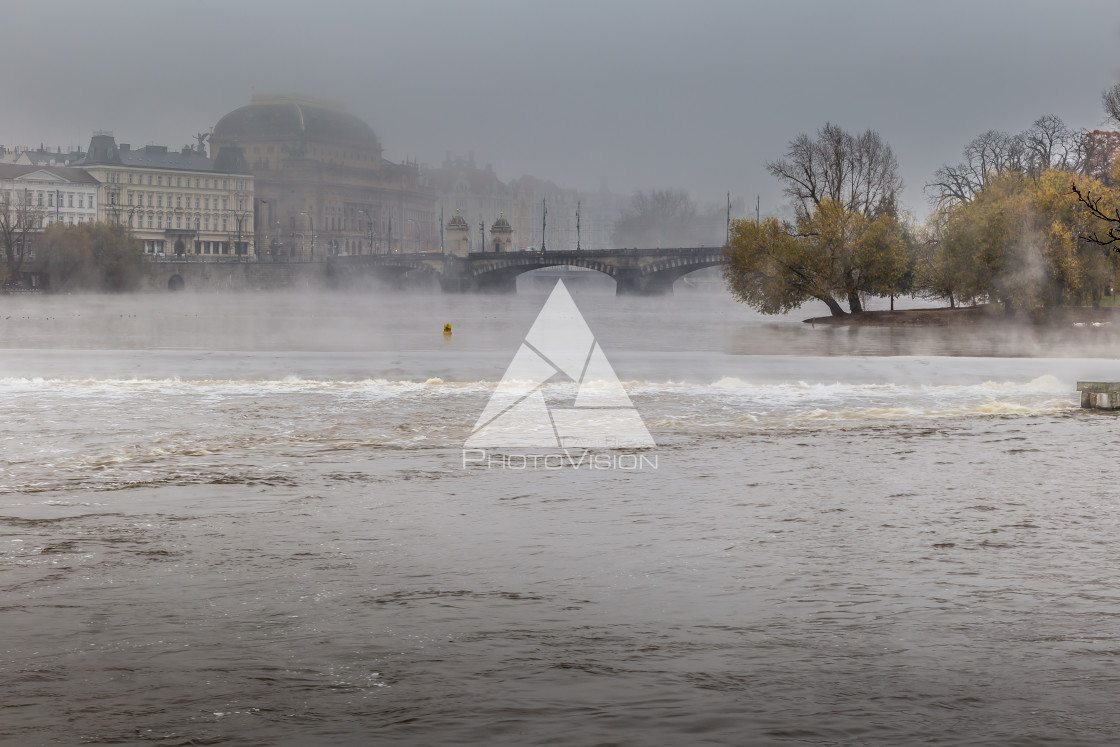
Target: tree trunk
[[952, 302], [834, 306], [892, 302], [854, 303]]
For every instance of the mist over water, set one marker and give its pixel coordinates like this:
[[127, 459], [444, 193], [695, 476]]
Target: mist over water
[[244, 519]]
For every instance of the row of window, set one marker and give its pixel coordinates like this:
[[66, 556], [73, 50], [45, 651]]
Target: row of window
[[47, 199], [200, 203], [67, 219], [200, 247], [203, 224], [157, 180]]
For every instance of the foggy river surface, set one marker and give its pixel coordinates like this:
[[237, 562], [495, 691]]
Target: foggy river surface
[[245, 520]]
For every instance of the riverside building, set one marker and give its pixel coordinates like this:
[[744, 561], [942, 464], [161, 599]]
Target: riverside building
[[322, 185], [49, 194], [178, 203]]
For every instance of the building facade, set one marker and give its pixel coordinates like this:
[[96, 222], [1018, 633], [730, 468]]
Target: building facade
[[177, 203], [323, 187], [49, 194]]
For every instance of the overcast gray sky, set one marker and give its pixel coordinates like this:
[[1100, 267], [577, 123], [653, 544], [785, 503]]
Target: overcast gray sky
[[645, 94]]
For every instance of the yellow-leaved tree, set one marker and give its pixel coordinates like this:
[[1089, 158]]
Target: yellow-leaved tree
[[1017, 243], [845, 242]]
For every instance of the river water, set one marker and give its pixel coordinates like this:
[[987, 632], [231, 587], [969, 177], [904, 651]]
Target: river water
[[246, 520]]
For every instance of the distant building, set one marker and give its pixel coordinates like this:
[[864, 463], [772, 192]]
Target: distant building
[[476, 194], [55, 194], [40, 157], [175, 202], [322, 183]]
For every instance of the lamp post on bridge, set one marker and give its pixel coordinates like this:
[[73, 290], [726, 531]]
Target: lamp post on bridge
[[369, 222], [311, 220], [257, 228], [240, 216]]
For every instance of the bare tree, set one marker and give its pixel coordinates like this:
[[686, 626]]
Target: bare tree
[[860, 172], [987, 154], [1111, 101], [19, 221], [1112, 220], [1049, 144]]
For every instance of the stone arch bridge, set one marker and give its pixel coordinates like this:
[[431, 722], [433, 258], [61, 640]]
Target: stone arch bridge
[[635, 271]]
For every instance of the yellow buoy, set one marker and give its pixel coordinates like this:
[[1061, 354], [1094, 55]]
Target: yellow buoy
[[447, 330]]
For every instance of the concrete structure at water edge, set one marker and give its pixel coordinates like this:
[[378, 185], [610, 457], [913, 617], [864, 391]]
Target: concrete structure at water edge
[[1100, 395]]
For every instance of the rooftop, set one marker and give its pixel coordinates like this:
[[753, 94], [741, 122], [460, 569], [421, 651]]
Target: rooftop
[[103, 151], [69, 174]]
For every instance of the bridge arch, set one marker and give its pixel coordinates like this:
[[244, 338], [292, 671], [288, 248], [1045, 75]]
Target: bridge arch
[[501, 273], [664, 274]]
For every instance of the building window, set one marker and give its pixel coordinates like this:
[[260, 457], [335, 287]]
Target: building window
[[178, 222], [159, 200], [178, 181], [50, 199], [130, 220], [178, 201], [224, 227], [149, 180], [129, 198], [69, 199], [224, 204], [196, 201], [149, 221]]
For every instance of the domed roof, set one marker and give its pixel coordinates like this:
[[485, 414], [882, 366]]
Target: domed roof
[[291, 118], [501, 223], [457, 221]]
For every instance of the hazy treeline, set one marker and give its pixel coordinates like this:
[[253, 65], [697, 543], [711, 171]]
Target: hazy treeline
[[1007, 226], [668, 218]]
